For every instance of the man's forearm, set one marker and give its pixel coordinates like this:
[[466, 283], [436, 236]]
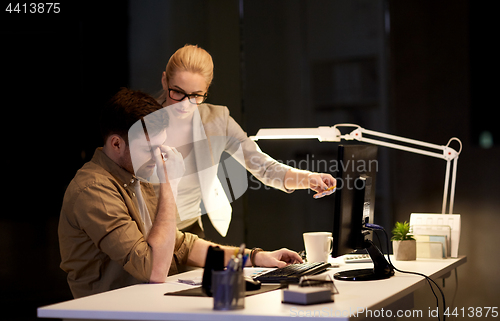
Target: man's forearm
[[198, 254], [162, 235], [278, 258]]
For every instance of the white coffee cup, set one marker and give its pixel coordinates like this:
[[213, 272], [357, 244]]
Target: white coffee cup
[[318, 246]]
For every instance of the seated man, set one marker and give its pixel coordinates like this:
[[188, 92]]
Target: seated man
[[114, 230]]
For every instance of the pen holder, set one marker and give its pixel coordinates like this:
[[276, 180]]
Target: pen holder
[[228, 288]]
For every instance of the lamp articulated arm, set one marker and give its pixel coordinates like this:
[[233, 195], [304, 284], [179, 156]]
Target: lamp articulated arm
[[333, 134]]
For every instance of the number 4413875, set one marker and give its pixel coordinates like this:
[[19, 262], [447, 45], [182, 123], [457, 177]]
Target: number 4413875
[[35, 7], [479, 312]]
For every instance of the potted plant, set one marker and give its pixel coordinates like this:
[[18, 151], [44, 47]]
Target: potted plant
[[403, 243]]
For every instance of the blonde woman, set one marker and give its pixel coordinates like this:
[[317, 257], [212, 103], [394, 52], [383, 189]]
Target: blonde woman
[[201, 132]]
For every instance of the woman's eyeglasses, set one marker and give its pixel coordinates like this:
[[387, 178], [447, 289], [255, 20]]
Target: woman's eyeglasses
[[178, 95]]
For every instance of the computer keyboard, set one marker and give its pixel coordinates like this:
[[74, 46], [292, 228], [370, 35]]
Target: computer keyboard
[[292, 273], [357, 258]]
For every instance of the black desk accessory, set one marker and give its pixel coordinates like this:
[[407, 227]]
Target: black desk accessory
[[213, 262]]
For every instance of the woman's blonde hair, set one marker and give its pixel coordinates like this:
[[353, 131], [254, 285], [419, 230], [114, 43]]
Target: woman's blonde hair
[[191, 58]]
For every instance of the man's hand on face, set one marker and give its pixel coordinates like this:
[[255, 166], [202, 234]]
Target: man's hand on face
[[170, 164]]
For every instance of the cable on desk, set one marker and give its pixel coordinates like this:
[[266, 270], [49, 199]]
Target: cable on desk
[[375, 227]]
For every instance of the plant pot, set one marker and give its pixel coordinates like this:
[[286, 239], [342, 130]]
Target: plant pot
[[405, 250]]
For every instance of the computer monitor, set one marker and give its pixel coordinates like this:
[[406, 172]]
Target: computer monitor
[[354, 207]]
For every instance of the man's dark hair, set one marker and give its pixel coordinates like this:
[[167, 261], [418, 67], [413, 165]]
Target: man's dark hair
[[124, 109]]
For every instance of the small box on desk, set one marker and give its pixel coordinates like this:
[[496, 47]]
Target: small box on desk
[[306, 295]]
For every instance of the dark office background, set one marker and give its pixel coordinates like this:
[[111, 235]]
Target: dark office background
[[418, 69]]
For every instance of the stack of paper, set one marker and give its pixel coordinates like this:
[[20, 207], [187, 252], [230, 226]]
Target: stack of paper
[[437, 235]]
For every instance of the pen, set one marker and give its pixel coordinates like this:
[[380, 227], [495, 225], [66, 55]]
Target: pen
[[238, 259], [234, 264], [242, 257], [242, 249], [245, 258]]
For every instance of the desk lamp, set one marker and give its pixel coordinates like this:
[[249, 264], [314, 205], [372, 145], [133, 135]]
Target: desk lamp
[[332, 134]]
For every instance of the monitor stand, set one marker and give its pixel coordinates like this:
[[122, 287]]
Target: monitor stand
[[381, 268]]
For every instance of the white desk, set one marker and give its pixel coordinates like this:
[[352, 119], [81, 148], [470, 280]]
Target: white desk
[[147, 301]]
